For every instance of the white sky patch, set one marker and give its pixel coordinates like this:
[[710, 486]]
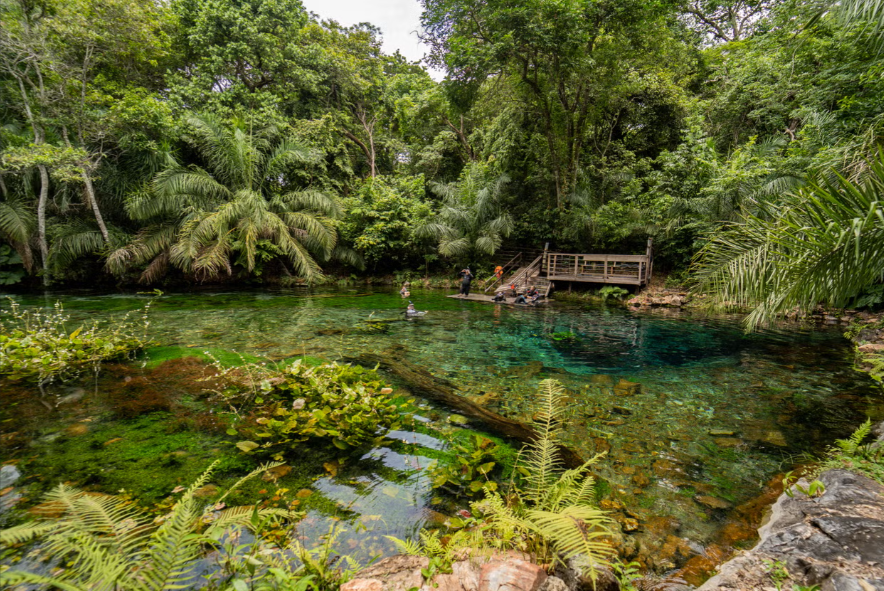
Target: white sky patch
[[398, 20]]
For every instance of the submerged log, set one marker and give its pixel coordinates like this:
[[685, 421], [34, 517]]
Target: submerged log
[[444, 392]]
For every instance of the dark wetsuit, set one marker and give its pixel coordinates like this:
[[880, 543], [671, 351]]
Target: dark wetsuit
[[465, 286]]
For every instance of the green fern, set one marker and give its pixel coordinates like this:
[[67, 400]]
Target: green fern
[[552, 515], [853, 444], [107, 543]]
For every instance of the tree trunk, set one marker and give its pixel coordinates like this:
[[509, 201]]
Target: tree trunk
[[41, 221], [444, 392], [90, 197]]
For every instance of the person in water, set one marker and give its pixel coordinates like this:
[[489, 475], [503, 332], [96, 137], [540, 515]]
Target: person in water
[[404, 291], [410, 311], [465, 285]]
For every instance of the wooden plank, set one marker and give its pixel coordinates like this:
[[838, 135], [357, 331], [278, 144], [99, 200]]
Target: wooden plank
[[625, 279]]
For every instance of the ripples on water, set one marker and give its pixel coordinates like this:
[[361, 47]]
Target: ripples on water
[[717, 412]]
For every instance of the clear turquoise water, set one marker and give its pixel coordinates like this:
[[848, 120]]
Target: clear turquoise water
[[780, 392]]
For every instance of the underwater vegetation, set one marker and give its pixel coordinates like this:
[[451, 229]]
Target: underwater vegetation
[[279, 407]]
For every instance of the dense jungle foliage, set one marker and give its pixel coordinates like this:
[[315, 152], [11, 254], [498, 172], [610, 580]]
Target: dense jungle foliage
[[244, 140]]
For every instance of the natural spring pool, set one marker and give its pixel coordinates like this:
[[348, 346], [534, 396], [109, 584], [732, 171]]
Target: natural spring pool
[[695, 415]]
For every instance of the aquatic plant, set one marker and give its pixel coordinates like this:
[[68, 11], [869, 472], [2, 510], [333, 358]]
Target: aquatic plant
[[254, 567], [347, 405], [563, 336], [550, 513], [36, 345], [107, 543], [470, 471], [612, 291]]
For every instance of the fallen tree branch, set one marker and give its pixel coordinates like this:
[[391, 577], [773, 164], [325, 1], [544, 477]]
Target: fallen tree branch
[[442, 391]]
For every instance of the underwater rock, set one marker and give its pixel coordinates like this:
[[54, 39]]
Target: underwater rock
[[721, 433], [207, 491], [458, 419], [74, 395], [330, 331], [712, 502], [77, 429], [8, 475], [628, 524], [727, 441], [602, 379], [640, 480], [775, 438], [276, 473], [627, 388]]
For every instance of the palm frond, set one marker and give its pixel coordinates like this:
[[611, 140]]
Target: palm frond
[[822, 246]]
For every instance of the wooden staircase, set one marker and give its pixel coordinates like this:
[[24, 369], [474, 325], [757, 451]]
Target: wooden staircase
[[525, 277]]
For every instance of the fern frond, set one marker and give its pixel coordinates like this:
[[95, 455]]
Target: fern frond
[[25, 532], [541, 457], [174, 547], [199, 482], [409, 547], [852, 444], [576, 530], [249, 517], [256, 472], [12, 578]]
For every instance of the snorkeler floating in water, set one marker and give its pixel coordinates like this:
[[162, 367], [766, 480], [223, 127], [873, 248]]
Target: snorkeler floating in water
[[404, 292], [410, 312]]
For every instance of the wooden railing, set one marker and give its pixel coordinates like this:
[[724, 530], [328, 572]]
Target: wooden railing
[[508, 267], [598, 268], [527, 273]]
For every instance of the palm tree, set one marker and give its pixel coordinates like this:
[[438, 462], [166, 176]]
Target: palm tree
[[245, 210], [823, 245], [472, 221]]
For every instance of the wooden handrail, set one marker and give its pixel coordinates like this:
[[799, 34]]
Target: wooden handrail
[[535, 265], [508, 265]]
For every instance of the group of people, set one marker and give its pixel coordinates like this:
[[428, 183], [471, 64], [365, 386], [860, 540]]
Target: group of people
[[530, 297]]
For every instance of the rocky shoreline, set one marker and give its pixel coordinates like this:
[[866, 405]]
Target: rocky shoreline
[[834, 541]]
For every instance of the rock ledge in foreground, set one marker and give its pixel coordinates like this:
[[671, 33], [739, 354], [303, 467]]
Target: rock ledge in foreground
[[835, 541]]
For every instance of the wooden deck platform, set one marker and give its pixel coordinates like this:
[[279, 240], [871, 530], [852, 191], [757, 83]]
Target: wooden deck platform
[[480, 297], [622, 269]]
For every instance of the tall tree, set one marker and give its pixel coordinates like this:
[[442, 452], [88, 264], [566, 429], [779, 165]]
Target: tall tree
[[565, 60]]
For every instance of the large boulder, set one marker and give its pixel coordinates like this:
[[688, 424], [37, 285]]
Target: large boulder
[[508, 571], [835, 541]]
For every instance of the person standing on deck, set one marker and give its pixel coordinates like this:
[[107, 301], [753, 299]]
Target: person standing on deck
[[465, 285]]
